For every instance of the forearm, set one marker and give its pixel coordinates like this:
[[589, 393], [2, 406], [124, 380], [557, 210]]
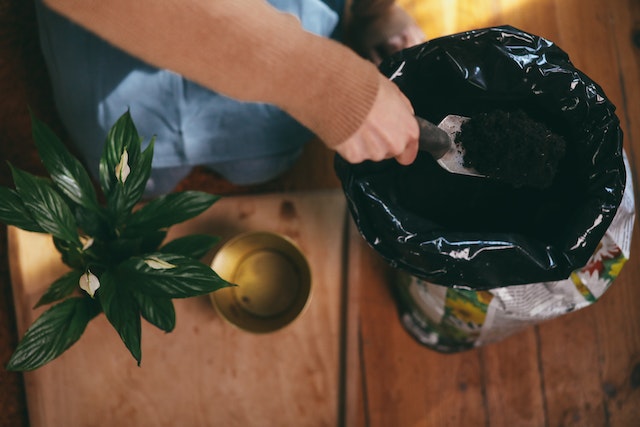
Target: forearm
[[244, 49]]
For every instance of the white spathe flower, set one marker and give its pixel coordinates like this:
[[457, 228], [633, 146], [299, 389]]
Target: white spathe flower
[[87, 242], [157, 263], [122, 169], [89, 283]]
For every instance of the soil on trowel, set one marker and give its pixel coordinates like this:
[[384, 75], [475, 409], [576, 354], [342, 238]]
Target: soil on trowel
[[511, 147]]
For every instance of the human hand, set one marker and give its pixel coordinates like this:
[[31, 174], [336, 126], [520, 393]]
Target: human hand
[[390, 130], [378, 37]]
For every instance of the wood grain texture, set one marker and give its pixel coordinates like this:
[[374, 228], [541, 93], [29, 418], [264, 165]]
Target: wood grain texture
[[512, 382], [206, 372], [405, 384]]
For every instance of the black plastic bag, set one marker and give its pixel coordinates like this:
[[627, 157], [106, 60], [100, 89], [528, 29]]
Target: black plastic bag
[[470, 232]]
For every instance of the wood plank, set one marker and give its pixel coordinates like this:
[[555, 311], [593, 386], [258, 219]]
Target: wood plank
[[625, 26], [539, 17], [592, 341], [513, 383], [205, 372], [356, 411], [405, 383], [619, 323], [617, 314], [570, 364], [569, 346], [618, 335], [439, 18]]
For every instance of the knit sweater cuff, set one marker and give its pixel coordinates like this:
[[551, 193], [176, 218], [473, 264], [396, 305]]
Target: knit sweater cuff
[[333, 96]]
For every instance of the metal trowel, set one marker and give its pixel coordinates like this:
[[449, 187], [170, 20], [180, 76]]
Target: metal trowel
[[440, 142]]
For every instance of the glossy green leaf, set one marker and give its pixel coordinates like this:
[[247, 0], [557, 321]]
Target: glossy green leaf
[[14, 212], [66, 171], [157, 311], [93, 223], [170, 209], [122, 136], [124, 196], [61, 288], [52, 333], [72, 254], [126, 247], [45, 205], [152, 240], [122, 311], [170, 276], [194, 246]]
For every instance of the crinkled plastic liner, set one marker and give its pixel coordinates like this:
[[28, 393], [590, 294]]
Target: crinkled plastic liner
[[449, 319], [469, 232]]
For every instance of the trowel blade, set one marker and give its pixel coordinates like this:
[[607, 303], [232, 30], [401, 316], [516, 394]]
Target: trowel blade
[[453, 160]]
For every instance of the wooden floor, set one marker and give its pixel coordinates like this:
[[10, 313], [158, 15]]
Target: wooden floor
[[579, 370]]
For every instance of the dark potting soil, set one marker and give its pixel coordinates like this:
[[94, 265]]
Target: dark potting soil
[[511, 147]]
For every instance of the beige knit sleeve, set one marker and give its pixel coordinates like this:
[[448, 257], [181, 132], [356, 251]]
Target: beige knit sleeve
[[244, 49]]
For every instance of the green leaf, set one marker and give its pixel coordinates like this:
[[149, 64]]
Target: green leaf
[[71, 252], [52, 333], [14, 212], [127, 247], [170, 209], [122, 136], [46, 206], [140, 173], [184, 278], [61, 288], [66, 171], [122, 311], [93, 223], [194, 246], [124, 196], [152, 240], [157, 311]]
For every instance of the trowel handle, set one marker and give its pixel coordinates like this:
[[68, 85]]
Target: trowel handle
[[432, 139]]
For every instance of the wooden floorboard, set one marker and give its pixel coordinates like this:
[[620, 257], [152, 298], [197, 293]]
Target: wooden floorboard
[[569, 358], [407, 385], [513, 382]]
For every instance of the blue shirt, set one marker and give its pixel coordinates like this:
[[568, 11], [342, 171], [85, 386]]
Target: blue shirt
[[94, 83]]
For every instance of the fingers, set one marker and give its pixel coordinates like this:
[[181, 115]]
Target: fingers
[[389, 130], [409, 155], [358, 154]]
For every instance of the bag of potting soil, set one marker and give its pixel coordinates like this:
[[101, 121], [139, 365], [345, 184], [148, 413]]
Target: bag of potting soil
[[479, 258]]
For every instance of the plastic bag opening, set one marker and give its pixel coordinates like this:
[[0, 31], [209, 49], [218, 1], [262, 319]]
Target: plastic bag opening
[[470, 232]]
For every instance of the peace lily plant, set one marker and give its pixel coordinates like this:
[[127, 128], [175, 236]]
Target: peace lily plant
[[119, 262]]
